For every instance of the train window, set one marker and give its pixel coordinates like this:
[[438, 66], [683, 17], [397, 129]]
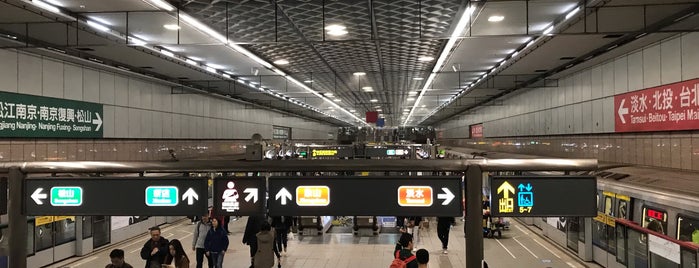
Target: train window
[[689, 259], [65, 230], [581, 230], [637, 249], [621, 244], [608, 206], [655, 220], [688, 229]]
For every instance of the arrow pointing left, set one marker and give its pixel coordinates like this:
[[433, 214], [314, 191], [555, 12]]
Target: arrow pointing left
[[447, 196], [190, 195], [37, 196], [252, 194]]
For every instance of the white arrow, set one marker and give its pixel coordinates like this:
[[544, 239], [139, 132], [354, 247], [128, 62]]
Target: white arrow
[[622, 111], [252, 194], [284, 194], [190, 195], [447, 196], [37, 196], [97, 122]]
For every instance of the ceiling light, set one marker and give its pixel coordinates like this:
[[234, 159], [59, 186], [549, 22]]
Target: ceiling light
[[405, 113], [97, 26], [572, 12], [46, 6], [379, 110], [336, 29], [374, 100], [425, 58], [211, 69], [226, 76], [308, 81], [215, 66], [206, 29], [359, 73], [101, 20], [496, 18], [368, 89], [281, 62], [411, 99], [172, 27], [352, 110], [192, 62], [135, 41], [423, 106], [337, 100], [54, 2], [377, 106], [167, 53], [418, 78], [329, 94], [162, 4], [338, 32], [412, 93]]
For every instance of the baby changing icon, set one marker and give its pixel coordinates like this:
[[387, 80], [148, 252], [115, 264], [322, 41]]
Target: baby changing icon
[[525, 196], [230, 198]]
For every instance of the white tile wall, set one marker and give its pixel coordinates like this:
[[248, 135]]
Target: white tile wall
[[690, 56], [671, 61], [107, 83], [651, 66], [91, 85], [52, 78], [8, 70], [73, 82], [29, 75]]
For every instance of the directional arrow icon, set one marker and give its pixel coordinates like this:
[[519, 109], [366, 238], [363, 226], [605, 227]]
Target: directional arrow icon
[[447, 196], [37, 196], [622, 111], [252, 194], [284, 194], [507, 188], [97, 122], [190, 195]]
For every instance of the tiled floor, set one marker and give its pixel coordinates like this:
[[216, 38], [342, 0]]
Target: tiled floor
[[518, 248]]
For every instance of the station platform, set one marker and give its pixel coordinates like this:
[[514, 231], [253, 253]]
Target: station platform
[[520, 246]]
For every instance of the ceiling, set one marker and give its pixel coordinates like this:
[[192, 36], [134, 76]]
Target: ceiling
[[232, 47]]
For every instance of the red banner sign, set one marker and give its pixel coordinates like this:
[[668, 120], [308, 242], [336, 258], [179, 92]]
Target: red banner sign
[[667, 107], [476, 131]]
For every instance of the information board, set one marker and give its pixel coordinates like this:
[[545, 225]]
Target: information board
[[365, 196], [239, 196], [543, 196], [111, 196], [27, 116]]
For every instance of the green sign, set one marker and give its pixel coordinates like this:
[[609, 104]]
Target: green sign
[[69, 196], [162, 196], [34, 116]]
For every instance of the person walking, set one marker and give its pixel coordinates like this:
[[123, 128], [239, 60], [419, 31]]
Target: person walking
[[199, 237], [155, 249], [216, 243], [443, 226], [266, 248], [406, 250], [249, 237], [414, 229], [117, 260], [282, 225], [176, 257]]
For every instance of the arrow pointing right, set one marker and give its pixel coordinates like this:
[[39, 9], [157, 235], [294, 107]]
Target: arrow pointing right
[[97, 122], [37, 196], [252, 194], [447, 196], [622, 111], [284, 194]]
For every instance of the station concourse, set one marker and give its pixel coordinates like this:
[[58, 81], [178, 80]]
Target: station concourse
[[567, 128]]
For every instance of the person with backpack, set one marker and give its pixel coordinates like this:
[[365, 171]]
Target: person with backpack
[[423, 257], [200, 230], [404, 257]]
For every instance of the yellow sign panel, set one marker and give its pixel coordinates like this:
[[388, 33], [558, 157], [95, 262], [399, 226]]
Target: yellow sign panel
[[313, 196], [43, 220], [623, 197], [60, 218], [320, 152], [506, 203]]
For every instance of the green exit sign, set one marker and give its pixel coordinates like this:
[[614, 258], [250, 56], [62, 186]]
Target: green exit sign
[[162, 196], [67, 196]]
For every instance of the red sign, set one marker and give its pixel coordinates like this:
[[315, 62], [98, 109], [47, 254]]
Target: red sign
[[667, 107], [371, 117], [476, 131]]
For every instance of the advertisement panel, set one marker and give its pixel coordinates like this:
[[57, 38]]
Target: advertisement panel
[[667, 107], [476, 131]]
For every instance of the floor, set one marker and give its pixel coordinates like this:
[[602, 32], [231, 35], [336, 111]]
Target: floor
[[518, 247]]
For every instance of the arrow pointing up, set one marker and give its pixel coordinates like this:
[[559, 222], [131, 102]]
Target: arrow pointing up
[[622, 111], [507, 188], [447, 196], [37, 196], [190, 195], [284, 194], [252, 194], [97, 122]]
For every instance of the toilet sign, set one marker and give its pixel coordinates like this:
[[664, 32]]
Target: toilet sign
[[239, 196]]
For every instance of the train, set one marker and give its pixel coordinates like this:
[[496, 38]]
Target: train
[[646, 217]]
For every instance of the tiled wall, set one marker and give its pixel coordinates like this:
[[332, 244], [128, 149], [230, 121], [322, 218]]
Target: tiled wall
[[678, 150], [139, 109]]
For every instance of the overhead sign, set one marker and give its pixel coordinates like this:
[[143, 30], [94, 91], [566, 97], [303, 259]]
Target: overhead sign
[[331, 152], [115, 196], [43, 117], [365, 196], [476, 131], [667, 107], [239, 196], [543, 196], [384, 151]]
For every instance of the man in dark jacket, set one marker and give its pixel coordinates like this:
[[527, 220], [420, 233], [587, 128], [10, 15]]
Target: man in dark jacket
[[155, 250], [281, 226], [443, 226], [250, 235]]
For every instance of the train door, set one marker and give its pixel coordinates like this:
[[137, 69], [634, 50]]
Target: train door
[[101, 231], [52, 235], [603, 241]]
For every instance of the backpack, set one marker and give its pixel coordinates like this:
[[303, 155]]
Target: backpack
[[398, 263]]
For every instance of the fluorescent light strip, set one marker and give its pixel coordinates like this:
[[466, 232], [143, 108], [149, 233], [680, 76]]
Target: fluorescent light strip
[[201, 27], [45, 6], [460, 27], [572, 13], [98, 26], [162, 4]]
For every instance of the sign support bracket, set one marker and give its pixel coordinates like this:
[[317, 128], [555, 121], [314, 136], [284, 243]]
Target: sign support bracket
[[473, 225], [17, 223]]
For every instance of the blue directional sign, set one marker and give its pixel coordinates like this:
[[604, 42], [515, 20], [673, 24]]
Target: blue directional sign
[[554, 195]]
